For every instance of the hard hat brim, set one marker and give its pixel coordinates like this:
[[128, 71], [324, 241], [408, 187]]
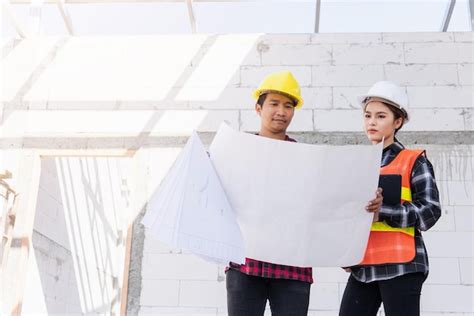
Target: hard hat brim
[[299, 101], [361, 99]]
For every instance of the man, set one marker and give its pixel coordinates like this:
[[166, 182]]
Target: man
[[250, 285]]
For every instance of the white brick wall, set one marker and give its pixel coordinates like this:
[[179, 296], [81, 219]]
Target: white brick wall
[[202, 294], [460, 298], [342, 38], [176, 81], [78, 241], [324, 296], [178, 267], [444, 271], [449, 244], [464, 218], [297, 54], [251, 76], [446, 119], [440, 95], [438, 53], [346, 97], [422, 74], [465, 74], [367, 54], [317, 98], [347, 75], [272, 39], [160, 293], [341, 120], [419, 37], [436, 68]]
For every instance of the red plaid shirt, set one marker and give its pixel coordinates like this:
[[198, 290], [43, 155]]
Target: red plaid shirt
[[272, 270]]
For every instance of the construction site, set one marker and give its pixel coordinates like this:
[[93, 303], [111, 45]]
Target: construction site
[[91, 123]]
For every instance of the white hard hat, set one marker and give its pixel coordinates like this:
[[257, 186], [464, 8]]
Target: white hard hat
[[388, 91]]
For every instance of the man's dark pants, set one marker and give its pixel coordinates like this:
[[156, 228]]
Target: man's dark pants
[[247, 295]]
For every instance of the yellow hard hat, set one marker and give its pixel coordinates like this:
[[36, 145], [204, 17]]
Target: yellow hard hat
[[283, 82]]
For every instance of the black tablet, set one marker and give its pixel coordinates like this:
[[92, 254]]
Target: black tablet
[[391, 185]]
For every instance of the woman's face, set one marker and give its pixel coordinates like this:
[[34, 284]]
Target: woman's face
[[380, 123]]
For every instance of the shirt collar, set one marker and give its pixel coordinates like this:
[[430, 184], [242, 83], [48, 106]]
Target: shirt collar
[[287, 138], [395, 147]]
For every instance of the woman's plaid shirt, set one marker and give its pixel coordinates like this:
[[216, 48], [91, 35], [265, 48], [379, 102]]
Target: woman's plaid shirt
[[422, 213], [271, 270]]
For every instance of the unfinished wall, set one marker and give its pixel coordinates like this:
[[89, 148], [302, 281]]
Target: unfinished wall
[[79, 237], [143, 95], [435, 68]]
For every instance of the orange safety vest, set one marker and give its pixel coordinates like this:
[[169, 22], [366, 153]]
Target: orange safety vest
[[389, 244]]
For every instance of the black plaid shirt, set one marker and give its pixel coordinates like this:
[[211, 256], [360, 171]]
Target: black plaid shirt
[[422, 213]]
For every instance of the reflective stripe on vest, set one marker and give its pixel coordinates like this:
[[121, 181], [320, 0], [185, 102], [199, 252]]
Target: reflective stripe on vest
[[388, 244]]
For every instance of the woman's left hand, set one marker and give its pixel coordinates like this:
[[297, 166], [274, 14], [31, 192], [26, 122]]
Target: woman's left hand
[[373, 206]]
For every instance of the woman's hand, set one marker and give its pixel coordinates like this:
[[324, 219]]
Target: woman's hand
[[373, 206]]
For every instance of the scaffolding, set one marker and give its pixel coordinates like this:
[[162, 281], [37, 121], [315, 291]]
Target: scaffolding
[[8, 199]]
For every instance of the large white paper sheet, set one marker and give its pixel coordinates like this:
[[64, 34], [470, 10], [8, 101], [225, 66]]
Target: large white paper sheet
[[190, 209], [298, 204]]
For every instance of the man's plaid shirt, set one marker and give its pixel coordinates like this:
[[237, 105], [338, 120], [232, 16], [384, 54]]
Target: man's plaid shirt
[[422, 213], [272, 270]]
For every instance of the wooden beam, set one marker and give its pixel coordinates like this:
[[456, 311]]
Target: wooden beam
[[5, 175], [192, 19], [126, 270], [16, 263], [66, 16], [16, 24]]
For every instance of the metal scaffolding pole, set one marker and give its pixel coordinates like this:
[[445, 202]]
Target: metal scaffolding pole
[[447, 16], [471, 13], [318, 16]]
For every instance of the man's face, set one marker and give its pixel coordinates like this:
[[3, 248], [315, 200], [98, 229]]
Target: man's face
[[276, 113]]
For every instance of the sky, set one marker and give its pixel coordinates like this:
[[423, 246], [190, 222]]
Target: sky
[[244, 17]]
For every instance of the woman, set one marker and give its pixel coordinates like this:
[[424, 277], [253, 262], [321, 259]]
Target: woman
[[396, 262]]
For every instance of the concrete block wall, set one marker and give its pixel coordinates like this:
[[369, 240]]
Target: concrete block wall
[[333, 69], [79, 80], [451, 242], [78, 238], [177, 283], [51, 266], [147, 92]]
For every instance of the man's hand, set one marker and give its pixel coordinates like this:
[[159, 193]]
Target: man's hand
[[373, 206]]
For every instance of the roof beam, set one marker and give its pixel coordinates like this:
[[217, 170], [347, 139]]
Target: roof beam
[[192, 20], [16, 24], [5, 175], [130, 1], [36, 12], [447, 16], [317, 17], [471, 13], [66, 16]]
